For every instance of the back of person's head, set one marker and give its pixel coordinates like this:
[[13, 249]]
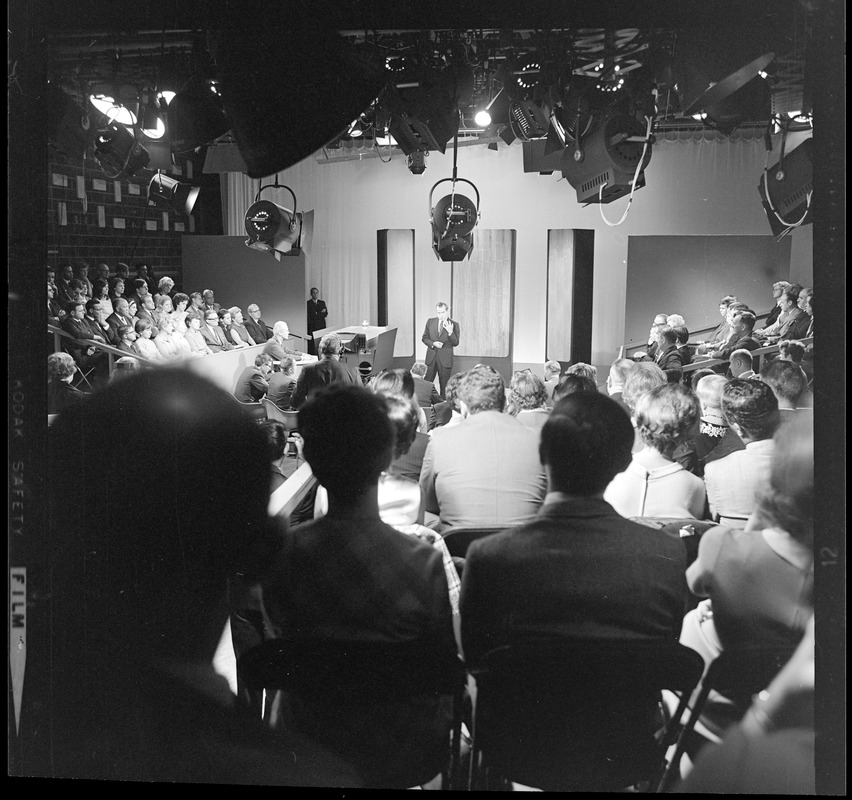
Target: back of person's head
[[330, 345], [551, 370], [752, 406], [482, 389], [788, 501], [742, 359], [794, 290], [402, 412], [526, 391], [728, 299], [275, 432], [698, 374], [154, 583], [668, 335], [642, 377], [786, 379], [348, 438], [60, 365], [281, 328], [418, 369], [143, 325], [675, 320], [791, 350], [585, 443], [573, 382], [709, 391], [139, 283], [618, 371], [583, 369], [124, 367], [261, 359], [451, 390], [666, 416], [287, 365], [393, 381], [681, 334]]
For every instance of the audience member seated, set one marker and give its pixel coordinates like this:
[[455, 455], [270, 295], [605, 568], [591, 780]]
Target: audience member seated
[[146, 273], [214, 336], [408, 461], [448, 413], [788, 383], [225, 322], [81, 273], [668, 358], [278, 346], [121, 316], [697, 374], [350, 576], [783, 327], [778, 288], [124, 367], [425, 392], [586, 370], [143, 346], [722, 330], [196, 304], [552, 371], [181, 303], [163, 307], [651, 350], [282, 384], [741, 338], [210, 303], [791, 350], [282, 466], [126, 337], [138, 291], [771, 750], [526, 399], [193, 335], [122, 271], [168, 346], [328, 370], [615, 380], [237, 330], [164, 288], [758, 581], [641, 378], [253, 382], [100, 292], [485, 471], [712, 428], [64, 292], [577, 569], [572, 382], [145, 310], [685, 349], [400, 381], [256, 327], [741, 364], [654, 484], [136, 617], [60, 373], [96, 320], [84, 354], [733, 482], [55, 312]]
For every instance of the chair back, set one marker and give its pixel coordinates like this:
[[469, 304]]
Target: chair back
[[578, 714], [289, 418], [459, 539]]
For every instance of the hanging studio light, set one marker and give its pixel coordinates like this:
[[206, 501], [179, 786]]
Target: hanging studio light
[[273, 228], [453, 219], [169, 194]]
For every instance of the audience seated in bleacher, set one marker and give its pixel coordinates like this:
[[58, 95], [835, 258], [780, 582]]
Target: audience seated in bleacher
[[741, 338], [197, 342], [209, 301], [170, 347], [778, 288], [137, 603], [789, 323], [350, 576], [237, 331], [484, 471], [651, 350], [257, 328], [722, 332], [526, 399], [214, 336], [654, 484], [668, 357], [143, 346], [734, 481]]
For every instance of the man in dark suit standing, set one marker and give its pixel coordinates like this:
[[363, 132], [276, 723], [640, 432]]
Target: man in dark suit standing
[[327, 370], [440, 336], [317, 312]]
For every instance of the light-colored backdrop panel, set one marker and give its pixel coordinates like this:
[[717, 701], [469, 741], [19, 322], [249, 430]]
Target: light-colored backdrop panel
[[400, 288], [239, 276], [560, 293], [482, 295]]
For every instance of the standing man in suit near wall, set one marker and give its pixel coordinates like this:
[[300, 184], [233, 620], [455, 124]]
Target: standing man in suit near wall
[[440, 337], [317, 312]]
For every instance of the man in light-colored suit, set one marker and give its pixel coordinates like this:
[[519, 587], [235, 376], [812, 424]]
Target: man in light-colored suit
[[440, 336], [485, 471]]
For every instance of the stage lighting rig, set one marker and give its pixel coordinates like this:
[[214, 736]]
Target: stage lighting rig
[[453, 218], [273, 228]]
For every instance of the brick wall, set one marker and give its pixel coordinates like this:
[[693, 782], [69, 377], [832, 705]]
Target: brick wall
[[94, 218]]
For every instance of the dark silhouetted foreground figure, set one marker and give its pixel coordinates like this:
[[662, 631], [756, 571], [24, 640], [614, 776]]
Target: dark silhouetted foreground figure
[[138, 603]]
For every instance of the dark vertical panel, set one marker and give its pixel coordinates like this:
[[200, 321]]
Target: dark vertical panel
[[570, 278], [395, 273], [581, 327]]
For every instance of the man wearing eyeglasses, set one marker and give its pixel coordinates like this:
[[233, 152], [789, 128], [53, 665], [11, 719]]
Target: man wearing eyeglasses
[[213, 335], [257, 328]]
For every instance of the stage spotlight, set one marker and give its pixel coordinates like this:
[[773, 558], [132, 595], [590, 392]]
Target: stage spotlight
[[194, 117], [68, 125], [273, 228], [170, 194], [416, 162], [609, 158], [453, 219], [786, 190], [118, 152]]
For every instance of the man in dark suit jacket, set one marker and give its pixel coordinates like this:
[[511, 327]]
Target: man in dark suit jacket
[[327, 370], [257, 328], [74, 323], [317, 312], [253, 383], [668, 358], [282, 384], [120, 317], [440, 336], [425, 393], [742, 338]]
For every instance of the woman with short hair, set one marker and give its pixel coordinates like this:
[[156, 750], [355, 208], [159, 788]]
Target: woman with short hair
[[60, 392], [238, 333], [100, 292], [181, 304], [143, 345], [654, 484], [526, 399], [166, 343], [193, 335]]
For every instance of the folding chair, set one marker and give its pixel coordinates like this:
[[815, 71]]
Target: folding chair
[[350, 676], [736, 674], [289, 418], [459, 539], [256, 410], [577, 714]]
